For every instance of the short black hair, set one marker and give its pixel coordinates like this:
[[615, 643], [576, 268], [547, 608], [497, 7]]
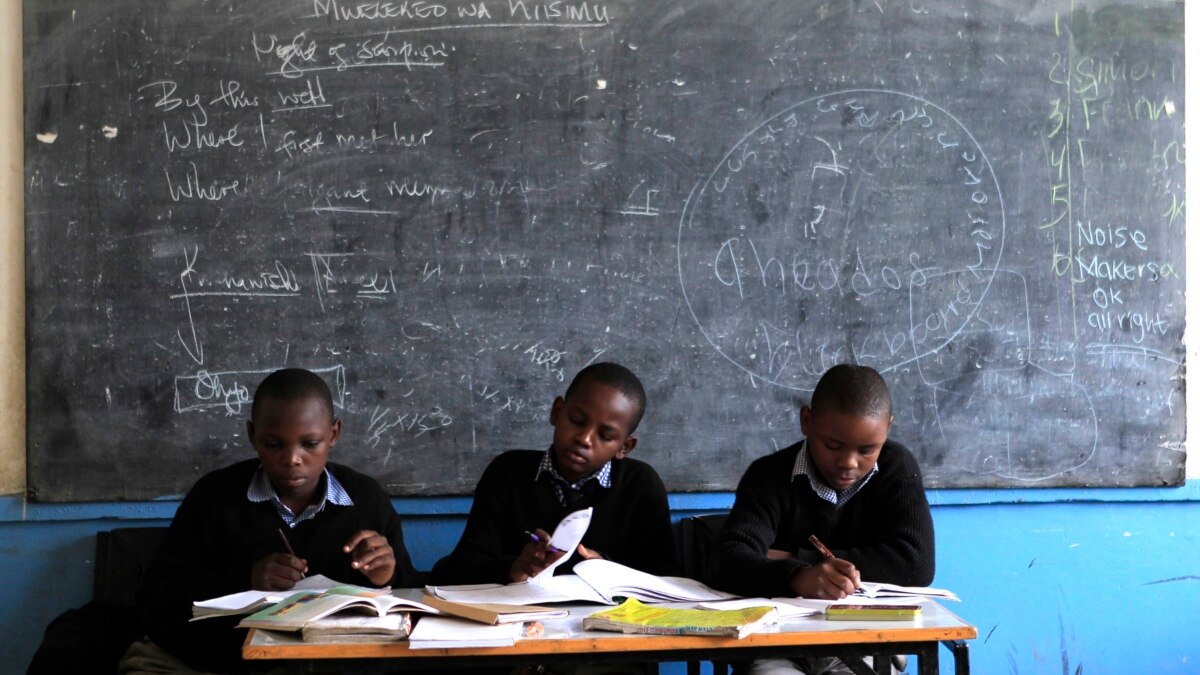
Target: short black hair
[[293, 384], [618, 377], [853, 390]]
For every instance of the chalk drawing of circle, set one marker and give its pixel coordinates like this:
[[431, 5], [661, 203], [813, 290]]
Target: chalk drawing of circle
[[860, 226]]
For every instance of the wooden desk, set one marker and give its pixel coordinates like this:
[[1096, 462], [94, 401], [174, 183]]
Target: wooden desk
[[565, 640]]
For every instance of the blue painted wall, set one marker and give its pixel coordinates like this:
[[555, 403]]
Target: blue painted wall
[[1058, 581]]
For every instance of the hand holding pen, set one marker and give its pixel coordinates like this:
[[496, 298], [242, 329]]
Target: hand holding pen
[[278, 571], [831, 579], [541, 537], [536, 556]]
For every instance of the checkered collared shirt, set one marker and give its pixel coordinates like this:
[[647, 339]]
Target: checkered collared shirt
[[603, 476], [261, 490], [804, 467]]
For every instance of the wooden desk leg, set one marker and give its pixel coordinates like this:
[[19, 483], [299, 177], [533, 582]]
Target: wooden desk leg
[[962, 659]]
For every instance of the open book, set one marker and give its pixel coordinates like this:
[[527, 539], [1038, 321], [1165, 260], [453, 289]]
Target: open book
[[248, 602], [634, 617], [876, 590], [594, 581], [301, 609]]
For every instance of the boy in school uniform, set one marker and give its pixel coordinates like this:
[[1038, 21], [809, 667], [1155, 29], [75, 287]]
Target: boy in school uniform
[[587, 465], [226, 535], [858, 492]]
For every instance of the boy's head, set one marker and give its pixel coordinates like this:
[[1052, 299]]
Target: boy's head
[[847, 424], [292, 428], [594, 422]]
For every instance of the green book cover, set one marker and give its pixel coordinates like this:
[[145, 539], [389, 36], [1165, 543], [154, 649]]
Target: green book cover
[[872, 612]]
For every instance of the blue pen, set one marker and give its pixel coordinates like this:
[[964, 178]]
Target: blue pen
[[536, 539]]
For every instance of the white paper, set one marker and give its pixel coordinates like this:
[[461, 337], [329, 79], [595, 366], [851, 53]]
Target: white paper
[[562, 588], [567, 536], [234, 601], [594, 581], [879, 590], [787, 607], [613, 579], [440, 632]]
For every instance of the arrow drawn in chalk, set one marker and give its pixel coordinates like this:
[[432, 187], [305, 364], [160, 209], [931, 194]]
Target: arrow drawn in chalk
[[195, 349]]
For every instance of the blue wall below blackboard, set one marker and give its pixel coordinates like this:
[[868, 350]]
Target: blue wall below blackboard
[[1058, 581]]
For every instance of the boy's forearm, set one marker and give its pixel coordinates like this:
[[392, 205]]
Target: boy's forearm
[[752, 574]]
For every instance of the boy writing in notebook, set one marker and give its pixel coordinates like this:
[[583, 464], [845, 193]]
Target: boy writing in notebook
[[264, 524], [859, 493], [523, 494]]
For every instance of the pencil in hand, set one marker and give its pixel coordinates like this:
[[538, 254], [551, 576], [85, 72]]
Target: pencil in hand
[[537, 539], [820, 547], [288, 545]]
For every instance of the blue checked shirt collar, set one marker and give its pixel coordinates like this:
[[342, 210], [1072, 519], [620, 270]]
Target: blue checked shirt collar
[[261, 490], [603, 476], [805, 467]]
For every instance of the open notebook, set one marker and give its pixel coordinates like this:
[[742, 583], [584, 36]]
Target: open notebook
[[597, 581], [248, 602]]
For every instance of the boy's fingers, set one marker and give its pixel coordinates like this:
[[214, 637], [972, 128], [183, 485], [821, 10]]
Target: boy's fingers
[[358, 537], [846, 569], [371, 556]]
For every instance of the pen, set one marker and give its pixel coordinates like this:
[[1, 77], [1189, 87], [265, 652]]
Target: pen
[[820, 547], [536, 539], [288, 545]]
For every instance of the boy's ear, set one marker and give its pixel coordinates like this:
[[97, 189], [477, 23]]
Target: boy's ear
[[556, 409], [627, 447], [337, 431], [250, 431], [805, 419]]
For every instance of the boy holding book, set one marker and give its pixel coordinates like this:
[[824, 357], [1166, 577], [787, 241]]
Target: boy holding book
[[523, 494], [846, 483], [264, 524]]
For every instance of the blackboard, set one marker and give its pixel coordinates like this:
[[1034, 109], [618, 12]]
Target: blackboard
[[450, 207]]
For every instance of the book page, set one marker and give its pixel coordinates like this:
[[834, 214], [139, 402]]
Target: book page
[[880, 590], [788, 608], [566, 538], [300, 608], [235, 601], [561, 588], [613, 579]]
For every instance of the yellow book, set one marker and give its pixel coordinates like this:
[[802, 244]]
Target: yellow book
[[872, 612], [634, 617]]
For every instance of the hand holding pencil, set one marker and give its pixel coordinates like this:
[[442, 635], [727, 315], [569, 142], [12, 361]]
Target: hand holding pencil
[[831, 579], [278, 571], [536, 556]]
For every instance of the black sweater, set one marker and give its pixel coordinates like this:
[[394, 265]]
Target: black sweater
[[218, 534], [885, 530], [630, 525]]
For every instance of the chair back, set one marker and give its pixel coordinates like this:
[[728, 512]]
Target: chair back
[[700, 534]]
